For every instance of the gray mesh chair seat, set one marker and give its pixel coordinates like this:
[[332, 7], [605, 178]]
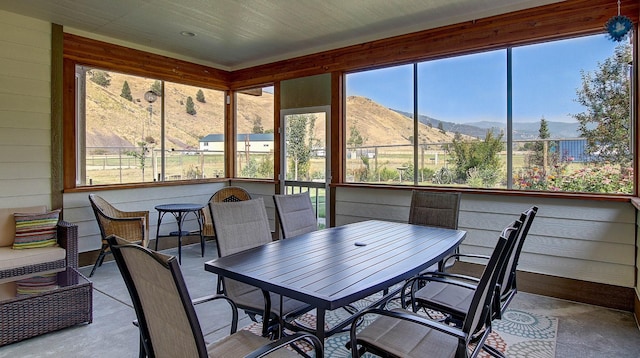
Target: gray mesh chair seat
[[295, 214], [403, 338], [434, 209], [252, 298], [438, 209], [401, 333], [166, 317]]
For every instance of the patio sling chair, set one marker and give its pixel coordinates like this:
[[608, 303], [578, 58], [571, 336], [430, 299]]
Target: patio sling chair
[[225, 195], [442, 292], [240, 226], [401, 333], [454, 300], [440, 209], [132, 226], [295, 214], [228, 194], [167, 318], [430, 208]]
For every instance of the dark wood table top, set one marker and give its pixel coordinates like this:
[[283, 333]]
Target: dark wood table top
[[333, 267]]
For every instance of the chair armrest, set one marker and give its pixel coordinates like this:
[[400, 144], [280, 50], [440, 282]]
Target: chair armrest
[[447, 278], [209, 298], [68, 239], [458, 256], [132, 229], [444, 277], [283, 342], [406, 316]]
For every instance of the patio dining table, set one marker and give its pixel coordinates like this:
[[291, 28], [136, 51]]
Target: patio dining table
[[334, 267]]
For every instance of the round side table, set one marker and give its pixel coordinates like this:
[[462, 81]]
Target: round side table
[[179, 211]]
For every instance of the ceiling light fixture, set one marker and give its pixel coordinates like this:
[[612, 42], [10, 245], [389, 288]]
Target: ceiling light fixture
[[188, 33]]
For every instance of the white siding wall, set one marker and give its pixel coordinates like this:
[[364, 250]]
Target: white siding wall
[[25, 111], [78, 210], [579, 239]]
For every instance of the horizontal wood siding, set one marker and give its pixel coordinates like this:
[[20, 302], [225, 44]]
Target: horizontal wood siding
[[578, 239], [78, 209], [25, 111]]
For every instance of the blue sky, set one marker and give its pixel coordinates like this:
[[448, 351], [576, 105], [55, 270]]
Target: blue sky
[[473, 88]]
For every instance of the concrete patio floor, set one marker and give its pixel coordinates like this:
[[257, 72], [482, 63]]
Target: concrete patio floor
[[583, 330]]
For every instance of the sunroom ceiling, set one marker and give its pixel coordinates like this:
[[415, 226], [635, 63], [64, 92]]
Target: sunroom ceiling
[[235, 34]]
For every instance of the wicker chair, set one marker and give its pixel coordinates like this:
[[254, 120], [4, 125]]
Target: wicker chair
[[133, 226], [224, 195], [295, 214], [401, 333], [241, 226], [168, 322]]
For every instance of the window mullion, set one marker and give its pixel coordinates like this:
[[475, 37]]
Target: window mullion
[[415, 124], [509, 120]]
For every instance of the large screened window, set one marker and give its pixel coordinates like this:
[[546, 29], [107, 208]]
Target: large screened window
[[379, 126], [255, 138], [132, 129], [553, 116]]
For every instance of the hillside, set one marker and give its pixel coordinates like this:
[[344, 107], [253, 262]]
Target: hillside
[[381, 125], [521, 130], [128, 120]]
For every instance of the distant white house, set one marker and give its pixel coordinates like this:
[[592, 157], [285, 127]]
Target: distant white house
[[255, 143]]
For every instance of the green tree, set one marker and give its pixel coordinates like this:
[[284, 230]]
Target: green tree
[[355, 141], [200, 96], [480, 155], [606, 123], [156, 88], [355, 138], [101, 78], [191, 109], [257, 125], [441, 128], [537, 158], [126, 91], [298, 148], [140, 155]]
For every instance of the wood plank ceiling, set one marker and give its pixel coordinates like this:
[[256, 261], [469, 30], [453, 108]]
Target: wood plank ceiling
[[232, 35]]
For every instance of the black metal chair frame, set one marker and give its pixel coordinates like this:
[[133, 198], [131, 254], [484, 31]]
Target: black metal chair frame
[[473, 329], [174, 267]]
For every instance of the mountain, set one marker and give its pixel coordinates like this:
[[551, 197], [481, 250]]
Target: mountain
[[529, 130], [521, 130], [113, 121]]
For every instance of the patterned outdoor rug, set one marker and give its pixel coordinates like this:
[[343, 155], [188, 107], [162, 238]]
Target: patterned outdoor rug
[[518, 334]]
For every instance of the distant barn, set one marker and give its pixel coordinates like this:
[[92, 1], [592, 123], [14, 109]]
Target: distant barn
[[574, 150], [255, 143]]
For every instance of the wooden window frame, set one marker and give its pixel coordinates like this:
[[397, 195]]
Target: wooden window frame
[[560, 20]]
